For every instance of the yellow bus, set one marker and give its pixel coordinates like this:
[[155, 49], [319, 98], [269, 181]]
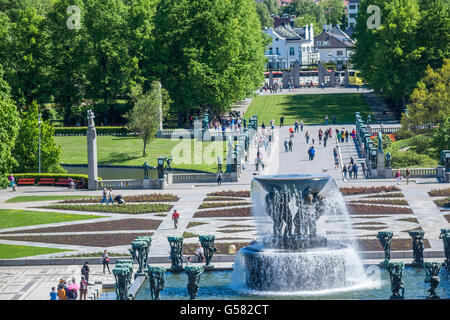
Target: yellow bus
[[355, 78]]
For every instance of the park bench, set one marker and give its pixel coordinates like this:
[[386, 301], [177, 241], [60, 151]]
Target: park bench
[[47, 181], [62, 182], [25, 181]]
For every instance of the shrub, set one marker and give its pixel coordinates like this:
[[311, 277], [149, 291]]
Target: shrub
[[387, 195], [123, 208], [100, 131], [445, 203], [232, 212], [373, 209], [367, 190], [403, 134], [439, 192], [410, 158], [206, 205], [156, 197], [398, 202]]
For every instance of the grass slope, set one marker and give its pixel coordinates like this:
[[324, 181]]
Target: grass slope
[[115, 150], [310, 108], [8, 251], [10, 218]]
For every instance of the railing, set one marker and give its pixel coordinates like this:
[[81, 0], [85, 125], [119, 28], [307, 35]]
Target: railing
[[418, 172], [384, 130], [199, 177], [121, 184]]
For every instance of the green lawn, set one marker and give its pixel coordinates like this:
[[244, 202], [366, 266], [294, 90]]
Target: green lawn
[[43, 198], [309, 108], [10, 218], [8, 251], [114, 150]]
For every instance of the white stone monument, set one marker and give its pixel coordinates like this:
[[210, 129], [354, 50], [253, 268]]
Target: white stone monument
[[92, 152]]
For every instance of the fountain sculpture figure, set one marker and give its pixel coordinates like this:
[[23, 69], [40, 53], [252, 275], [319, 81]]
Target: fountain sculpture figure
[[208, 247], [140, 248], [385, 238], [123, 271], [395, 270], [193, 273], [432, 276], [292, 256], [156, 280], [176, 253], [417, 245], [445, 236]]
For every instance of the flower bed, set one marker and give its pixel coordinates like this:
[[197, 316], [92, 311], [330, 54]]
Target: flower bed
[[396, 245], [439, 192], [346, 191], [155, 197], [374, 209], [194, 224], [221, 199], [230, 193], [387, 195], [90, 240], [445, 203], [207, 205], [232, 212], [115, 208], [398, 202], [113, 225]]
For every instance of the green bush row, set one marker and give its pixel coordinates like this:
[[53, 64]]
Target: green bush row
[[115, 208], [100, 131]]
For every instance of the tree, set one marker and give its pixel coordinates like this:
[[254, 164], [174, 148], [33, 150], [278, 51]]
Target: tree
[[67, 59], [111, 67], [441, 135], [207, 53], [334, 11], [145, 115], [9, 128], [430, 101], [264, 15], [273, 6], [307, 20], [26, 148]]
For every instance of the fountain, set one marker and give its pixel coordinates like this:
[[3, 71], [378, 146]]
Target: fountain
[[385, 238], [445, 236], [208, 247], [417, 245], [193, 273], [292, 256], [123, 272], [395, 270], [156, 280]]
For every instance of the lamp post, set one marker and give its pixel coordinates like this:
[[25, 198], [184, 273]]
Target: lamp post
[[39, 123]]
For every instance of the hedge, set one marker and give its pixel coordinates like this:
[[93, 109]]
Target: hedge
[[61, 131], [57, 176]]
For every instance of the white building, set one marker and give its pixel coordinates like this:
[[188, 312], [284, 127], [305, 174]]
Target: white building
[[290, 44], [334, 45], [352, 9]]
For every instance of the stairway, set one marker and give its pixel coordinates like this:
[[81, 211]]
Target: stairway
[[378, 106], [348, 149]]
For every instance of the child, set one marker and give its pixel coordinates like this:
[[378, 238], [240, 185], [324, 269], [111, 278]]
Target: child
[[53, 294], [83, 288]]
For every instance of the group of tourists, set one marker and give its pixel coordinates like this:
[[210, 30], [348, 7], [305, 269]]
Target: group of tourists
[[343, 135], [70, 289], [298, 125], [107, 197], [272, 89], [231, 123], [326, 119], [399, 177]]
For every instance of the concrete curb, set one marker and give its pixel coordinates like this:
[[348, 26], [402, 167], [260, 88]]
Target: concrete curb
[[216, 258]]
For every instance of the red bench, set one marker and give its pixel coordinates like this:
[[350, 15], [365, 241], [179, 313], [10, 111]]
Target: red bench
[[25, 181], [49, 181], [62, 182]]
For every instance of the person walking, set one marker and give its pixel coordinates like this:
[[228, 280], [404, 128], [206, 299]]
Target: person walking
[[11, 182], [363, 168], [326, 120], [350, 170], [104, 194], [344, 170], [175, 218], [85, 271], [110, 197], [346, 136], [355, 170], [307, 137], [407, 175], [286, 146], [53, 294], [105, 257], [309, 153], [398, 176], [301, 125], [325, 141], [296, 126], [313, 152], [219, 177], [83, 288], [336, 162], [61, 290], [281, 121]]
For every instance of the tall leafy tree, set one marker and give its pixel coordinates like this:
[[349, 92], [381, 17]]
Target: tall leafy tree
[[9, 128], [207, 53], [264, 15], [26, 148], [388, 56], [334, 11], [308, 12], [145, 116], [68, 58], [111, 69]]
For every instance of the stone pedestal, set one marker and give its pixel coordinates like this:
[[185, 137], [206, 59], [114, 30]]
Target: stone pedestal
[[380, 164], [92, 152], [388, 173], [296, 74], [271, 80]]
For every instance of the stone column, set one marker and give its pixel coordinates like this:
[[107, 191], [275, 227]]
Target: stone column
[[92, 152], [296, 71], [380, 164]]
